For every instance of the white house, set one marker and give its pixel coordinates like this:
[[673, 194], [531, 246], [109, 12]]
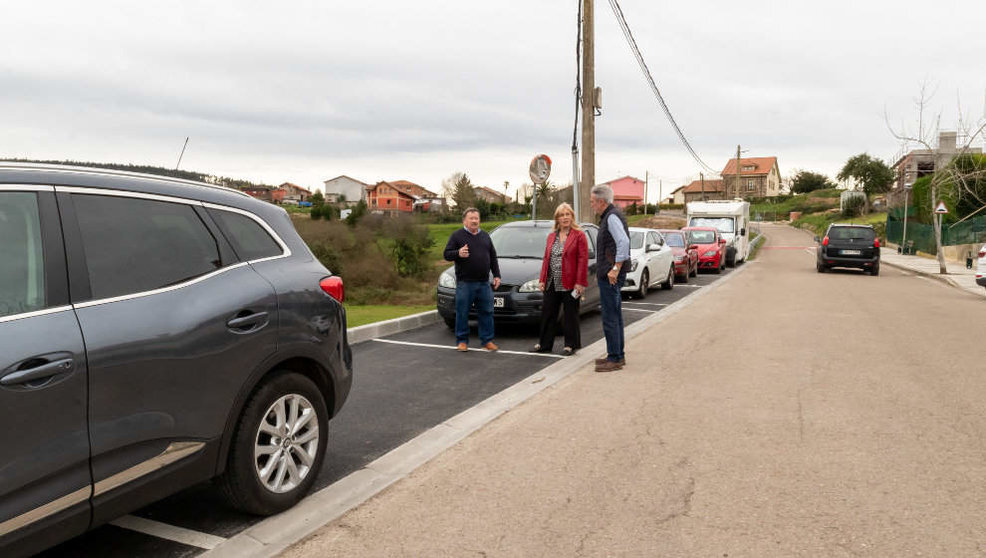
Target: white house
[[343, 186]]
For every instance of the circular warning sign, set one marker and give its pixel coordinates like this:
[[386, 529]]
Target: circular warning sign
[[540, 169]]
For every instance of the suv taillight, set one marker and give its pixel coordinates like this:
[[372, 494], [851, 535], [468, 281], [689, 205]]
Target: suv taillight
[[825, 241], [333, 287], [876, 242], [982, 253]]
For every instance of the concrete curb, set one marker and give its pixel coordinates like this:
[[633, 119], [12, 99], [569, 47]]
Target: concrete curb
[[275, 534], [390, 327], [936, 276]]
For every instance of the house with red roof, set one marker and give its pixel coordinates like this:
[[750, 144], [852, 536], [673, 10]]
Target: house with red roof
[[388, 197], [627, 191], [753, 177], [699, 190]]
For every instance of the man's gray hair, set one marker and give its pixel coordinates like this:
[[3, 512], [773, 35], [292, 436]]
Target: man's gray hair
[[468, 211], [603, 191]]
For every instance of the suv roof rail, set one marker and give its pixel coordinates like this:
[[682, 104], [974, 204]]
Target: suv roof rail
[[51, 167]]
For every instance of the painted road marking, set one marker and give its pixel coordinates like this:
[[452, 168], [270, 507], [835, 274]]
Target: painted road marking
[[549, 355], [787, 247], [642, 310], [649, 303], [169, 532]]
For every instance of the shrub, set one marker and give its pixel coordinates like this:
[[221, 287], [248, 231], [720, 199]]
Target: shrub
[[316, 212], [853, 206]]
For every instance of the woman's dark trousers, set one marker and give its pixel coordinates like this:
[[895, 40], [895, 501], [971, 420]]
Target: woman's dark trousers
[[553, 302]]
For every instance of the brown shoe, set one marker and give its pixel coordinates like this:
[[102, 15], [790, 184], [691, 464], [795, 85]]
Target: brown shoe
[[462, 347], [491, 346], [604, 360], [609, 366]]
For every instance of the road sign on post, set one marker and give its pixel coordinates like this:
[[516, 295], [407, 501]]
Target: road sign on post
[[539, 170], [940, 208]]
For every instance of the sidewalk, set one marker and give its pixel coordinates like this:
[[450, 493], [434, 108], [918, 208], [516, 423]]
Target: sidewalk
[[958, 276]]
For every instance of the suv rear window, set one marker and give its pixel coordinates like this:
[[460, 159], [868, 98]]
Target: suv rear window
[[21, 254], [851, 233], [250, 241]]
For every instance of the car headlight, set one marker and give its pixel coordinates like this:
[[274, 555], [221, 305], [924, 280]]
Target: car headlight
[[446, 280], [633, 265], [529, 287], [711, 253]]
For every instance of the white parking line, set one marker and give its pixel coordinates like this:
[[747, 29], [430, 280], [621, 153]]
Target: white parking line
[[169, 532], [649, 303], [549, 355], [641, 310], [688, 285]]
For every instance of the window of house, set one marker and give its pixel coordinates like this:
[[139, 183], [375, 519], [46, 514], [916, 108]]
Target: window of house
[[136, 245], [749, 184], [250, 240], [22, 270]]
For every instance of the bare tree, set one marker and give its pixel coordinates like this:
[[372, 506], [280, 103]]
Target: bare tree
[[957, 180]]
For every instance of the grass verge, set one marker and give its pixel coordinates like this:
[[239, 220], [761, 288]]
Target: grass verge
[[368, 314]]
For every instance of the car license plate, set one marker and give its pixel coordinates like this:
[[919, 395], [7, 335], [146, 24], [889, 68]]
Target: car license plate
[[851, 252], [498, 302]]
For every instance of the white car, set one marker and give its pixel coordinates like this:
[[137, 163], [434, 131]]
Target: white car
[[981, 267], [651, 262]]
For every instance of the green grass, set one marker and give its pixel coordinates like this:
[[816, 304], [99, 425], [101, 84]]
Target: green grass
[[440, 232], [362, 315], [818, 223]]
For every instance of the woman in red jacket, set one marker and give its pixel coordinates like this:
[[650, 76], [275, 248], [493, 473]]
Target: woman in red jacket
[[563, 280]]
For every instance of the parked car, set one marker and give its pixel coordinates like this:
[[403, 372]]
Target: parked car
[[156, 333], [711, 247], [519, 249], [651, 262], [845, 245], [685, 254], [981, 267]]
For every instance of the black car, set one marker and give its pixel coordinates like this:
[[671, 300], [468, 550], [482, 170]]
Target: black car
[[519, 249], [154, 334], [853, 246]]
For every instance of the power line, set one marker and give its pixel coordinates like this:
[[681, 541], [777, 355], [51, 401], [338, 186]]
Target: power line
[[618, 12]]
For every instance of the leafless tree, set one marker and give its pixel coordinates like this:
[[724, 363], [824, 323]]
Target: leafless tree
[[957, 180]]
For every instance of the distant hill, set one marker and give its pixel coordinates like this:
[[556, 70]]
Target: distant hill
[[148, 169]]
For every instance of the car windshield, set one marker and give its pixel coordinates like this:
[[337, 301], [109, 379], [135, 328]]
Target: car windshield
[[520, 242], [636, 240], [702, 237], [851, 233], [676, 240], [724, 224]]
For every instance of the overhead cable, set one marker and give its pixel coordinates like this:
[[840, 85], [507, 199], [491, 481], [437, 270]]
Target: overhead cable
[[618, 12]]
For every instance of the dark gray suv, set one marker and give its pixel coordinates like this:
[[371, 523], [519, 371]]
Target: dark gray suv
[[155, 333]]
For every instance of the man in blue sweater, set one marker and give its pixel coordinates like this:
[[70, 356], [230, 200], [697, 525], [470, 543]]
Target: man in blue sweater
[[475, 258]]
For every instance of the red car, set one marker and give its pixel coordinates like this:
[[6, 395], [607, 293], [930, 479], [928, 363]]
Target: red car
[[685, 254], [711, 247]]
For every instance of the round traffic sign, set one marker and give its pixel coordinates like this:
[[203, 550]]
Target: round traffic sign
[[540, 169]]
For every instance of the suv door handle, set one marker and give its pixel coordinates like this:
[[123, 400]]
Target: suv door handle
[[249, 321], [40, 372]]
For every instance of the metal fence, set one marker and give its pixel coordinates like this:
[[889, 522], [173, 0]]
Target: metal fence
[[922, 236]]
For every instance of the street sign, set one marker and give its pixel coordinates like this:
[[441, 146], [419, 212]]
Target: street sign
[[540, 169], [940, 208]]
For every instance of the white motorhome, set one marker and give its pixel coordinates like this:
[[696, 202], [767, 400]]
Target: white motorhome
[[731, 217]]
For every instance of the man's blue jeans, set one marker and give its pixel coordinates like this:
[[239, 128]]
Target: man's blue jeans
[[466, 292], [612, 314]]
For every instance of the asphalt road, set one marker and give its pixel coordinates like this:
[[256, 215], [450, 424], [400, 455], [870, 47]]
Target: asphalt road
[[834, 414], [403, 385]]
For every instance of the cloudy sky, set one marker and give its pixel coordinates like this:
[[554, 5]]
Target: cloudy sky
[[385, 89]]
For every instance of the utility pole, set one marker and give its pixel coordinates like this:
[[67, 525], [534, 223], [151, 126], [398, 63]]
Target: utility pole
[[588, 179], [737, 183], [701, 176], [646, 183]]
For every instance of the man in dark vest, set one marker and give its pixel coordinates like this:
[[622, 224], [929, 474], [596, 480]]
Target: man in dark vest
[[612, 261]]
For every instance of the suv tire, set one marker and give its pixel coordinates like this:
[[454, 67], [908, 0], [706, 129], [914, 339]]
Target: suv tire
[[668, 283], [875, 270], [820, 268], [644, 284], [266, 425]]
